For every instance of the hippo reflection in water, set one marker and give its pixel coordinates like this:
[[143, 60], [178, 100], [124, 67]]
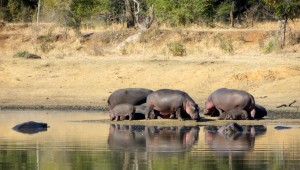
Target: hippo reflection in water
[[232, 139], [31, 127], [152, 138]]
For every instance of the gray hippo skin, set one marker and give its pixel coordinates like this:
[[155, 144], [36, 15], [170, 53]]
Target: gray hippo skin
[[168, 101], [120, 111], [235, 114], [227, 100], [31, 127], [260, 112], [134, 96]]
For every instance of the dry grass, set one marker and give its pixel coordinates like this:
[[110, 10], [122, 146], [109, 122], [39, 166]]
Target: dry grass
[[76, 71]]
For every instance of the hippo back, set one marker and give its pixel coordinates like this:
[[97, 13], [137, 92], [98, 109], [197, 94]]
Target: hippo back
[[227, 99], [134, 96]]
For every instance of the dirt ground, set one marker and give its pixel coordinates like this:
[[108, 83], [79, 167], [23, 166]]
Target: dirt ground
[[81, 73]]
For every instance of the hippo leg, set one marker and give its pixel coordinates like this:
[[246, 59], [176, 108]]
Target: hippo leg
[[245, 115], [172, 116], [252, 113], [223, 115], [112, 118], [131, 116], [178, 114], [117, 118], [148, 110], [154, 114], [122, 117]]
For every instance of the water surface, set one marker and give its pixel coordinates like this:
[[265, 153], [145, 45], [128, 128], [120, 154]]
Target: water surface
[[70, 143]]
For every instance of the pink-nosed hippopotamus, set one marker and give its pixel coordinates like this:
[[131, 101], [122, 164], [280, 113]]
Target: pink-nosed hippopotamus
[[168, 101], [134, 96], [120, 111], [230, 100]]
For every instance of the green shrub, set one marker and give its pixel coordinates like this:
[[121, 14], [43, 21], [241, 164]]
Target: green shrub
[[177, 48], [273, 43], [21, 54], [45, 48], [225, 44]]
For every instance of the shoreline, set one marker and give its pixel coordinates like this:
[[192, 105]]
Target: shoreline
[[282, 113], [55, 107]]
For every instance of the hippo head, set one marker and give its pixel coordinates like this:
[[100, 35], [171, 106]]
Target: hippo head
[[209, 108], [193, 110]]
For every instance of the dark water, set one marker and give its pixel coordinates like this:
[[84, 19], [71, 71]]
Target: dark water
[[70, 144]]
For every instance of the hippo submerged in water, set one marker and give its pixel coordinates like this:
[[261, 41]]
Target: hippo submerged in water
[[31, 127], [168, 102], [229, 101]]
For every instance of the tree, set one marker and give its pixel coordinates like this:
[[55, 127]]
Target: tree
[[284, 10], [129, 14]]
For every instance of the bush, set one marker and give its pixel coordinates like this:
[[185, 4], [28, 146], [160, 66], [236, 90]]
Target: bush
[[177, 48], [225, 44], [271, 44], [21, 54]]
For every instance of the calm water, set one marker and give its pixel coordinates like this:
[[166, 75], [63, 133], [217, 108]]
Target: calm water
[[70, 144]]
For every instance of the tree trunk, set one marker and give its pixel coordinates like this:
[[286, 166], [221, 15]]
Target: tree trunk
[[231, 14], [284, 31], [129, 14]]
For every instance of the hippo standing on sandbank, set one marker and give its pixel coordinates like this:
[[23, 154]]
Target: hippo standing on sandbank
[[120, 111], [168, 101], [134, 96], [237, 114], [227, 100]]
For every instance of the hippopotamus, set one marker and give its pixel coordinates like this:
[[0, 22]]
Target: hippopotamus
[[227, 100], [31, 127], [235, 114], [282, 127], [134, 96], [168, 101], [120, 111], [238, 114], [260, 111]]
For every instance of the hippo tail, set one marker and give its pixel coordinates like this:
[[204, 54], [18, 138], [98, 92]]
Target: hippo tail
[[109, 104]]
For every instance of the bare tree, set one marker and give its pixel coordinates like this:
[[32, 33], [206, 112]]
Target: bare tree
[[145, 23]]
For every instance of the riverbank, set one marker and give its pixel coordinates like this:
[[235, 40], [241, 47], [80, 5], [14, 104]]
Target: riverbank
[[74, 74]]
